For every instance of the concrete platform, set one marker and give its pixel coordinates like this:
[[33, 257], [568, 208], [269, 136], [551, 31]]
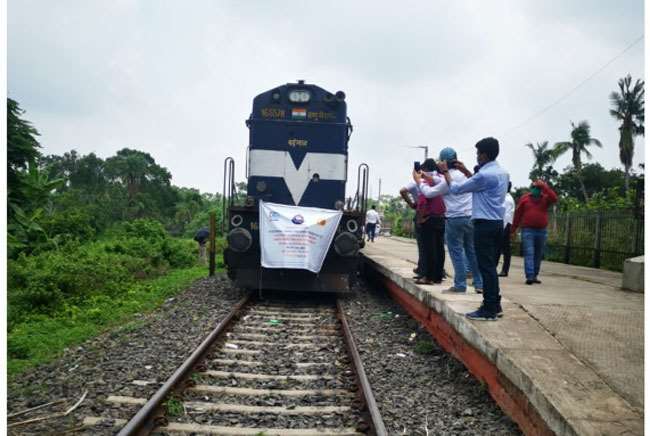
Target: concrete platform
[[567, 357]]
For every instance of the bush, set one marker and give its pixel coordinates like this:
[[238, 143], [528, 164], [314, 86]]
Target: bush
[[150, 230], [180, 253], [75, 224], [76, 272]]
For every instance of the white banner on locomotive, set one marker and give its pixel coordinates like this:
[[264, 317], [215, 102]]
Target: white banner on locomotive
[[296, 237]]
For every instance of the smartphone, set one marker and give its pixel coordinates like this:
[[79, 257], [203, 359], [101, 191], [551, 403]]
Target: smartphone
[[416, 165]]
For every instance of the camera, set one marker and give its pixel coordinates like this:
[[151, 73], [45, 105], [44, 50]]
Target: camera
[[416, 165]]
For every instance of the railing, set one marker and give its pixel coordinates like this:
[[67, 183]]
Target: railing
[[229, 190], [596, 239]]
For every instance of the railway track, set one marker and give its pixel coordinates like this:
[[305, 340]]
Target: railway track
[[270, 368]]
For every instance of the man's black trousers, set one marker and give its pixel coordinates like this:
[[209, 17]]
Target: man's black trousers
[[488, 235], [505, 250], [432, 232], [418, 237]]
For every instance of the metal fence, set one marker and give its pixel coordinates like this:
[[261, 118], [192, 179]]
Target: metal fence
[[594, 239], [598, 239]]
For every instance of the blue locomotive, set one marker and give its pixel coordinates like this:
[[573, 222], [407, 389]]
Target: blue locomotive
[[297, 155]]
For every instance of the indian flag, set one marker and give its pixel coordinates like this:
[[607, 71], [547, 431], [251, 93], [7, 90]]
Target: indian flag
[[298, 112]]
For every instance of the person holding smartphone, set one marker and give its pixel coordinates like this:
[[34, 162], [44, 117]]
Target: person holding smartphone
[[430, 216], [488, 187], [410, 194], [459, 230]]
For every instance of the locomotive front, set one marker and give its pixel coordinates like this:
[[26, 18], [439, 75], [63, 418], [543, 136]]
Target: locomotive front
[[297, 155]]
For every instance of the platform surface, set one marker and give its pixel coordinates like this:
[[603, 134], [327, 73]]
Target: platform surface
[[573, 344]]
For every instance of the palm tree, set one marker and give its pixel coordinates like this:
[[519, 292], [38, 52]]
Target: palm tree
[[580, 140], [628, 107], [544, 158]]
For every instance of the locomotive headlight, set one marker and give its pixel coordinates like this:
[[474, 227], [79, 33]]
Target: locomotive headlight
[[352, 226], [346, 244], [236, 220], [299, 96], [240, 240]]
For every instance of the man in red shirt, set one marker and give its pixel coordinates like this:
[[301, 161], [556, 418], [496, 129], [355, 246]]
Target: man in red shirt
[[532, 216]]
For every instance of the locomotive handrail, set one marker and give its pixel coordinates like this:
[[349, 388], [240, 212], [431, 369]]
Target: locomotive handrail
[[228, 189], [361, 197], [350, 129]]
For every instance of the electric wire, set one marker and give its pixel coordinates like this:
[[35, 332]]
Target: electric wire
[[575, 88]]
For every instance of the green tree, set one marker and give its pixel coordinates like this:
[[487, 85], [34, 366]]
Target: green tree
[[22, 150], [544, 159], [580, 140], [629, 109], [148, 185], [80, 172]]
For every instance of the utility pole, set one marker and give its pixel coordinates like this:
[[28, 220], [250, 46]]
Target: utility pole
[[424, 147], [379, 194]]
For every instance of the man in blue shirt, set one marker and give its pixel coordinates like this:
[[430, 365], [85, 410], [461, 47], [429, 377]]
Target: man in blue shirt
[[488, 187]]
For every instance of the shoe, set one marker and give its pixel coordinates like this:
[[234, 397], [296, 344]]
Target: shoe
[[537, 281], [503, 274], [417, 277], [454, 290], [529, 281], [478, 290], [423, 281], [482, 314], [437, 282], [499, 311]]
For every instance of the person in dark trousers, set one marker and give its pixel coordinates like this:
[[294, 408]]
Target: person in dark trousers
[[409, 194], [202, 237], [532, 216], [488, 187], [505, 249], [430, 213], [372, 218]]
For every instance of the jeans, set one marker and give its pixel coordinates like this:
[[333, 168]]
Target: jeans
[[505, 250], [460, 243], [487, 238], [533, 241], [433, 234], [370, 231]]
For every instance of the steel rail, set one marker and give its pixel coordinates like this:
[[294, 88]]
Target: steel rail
[[143, 420], [376, 421]]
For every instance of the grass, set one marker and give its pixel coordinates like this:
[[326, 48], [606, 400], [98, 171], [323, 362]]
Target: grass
[[174, 407], [424, 347], [42, 338]]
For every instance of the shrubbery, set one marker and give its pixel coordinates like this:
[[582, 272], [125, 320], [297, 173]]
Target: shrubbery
[[75, 272]]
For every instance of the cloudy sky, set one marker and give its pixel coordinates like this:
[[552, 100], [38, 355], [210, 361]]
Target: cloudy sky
[[176, 79]]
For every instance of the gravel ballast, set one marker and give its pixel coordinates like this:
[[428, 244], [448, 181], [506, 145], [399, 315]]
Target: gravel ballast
[[149, 349], [415, 382]]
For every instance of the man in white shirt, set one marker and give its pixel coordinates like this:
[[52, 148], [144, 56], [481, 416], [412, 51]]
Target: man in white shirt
[[460, 230], [505, 249], [372, 218]]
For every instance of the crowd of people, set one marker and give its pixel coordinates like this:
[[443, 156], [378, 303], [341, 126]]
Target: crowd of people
[[475, 215]]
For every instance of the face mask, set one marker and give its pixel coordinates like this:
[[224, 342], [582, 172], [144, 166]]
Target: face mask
[[535, 191]]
